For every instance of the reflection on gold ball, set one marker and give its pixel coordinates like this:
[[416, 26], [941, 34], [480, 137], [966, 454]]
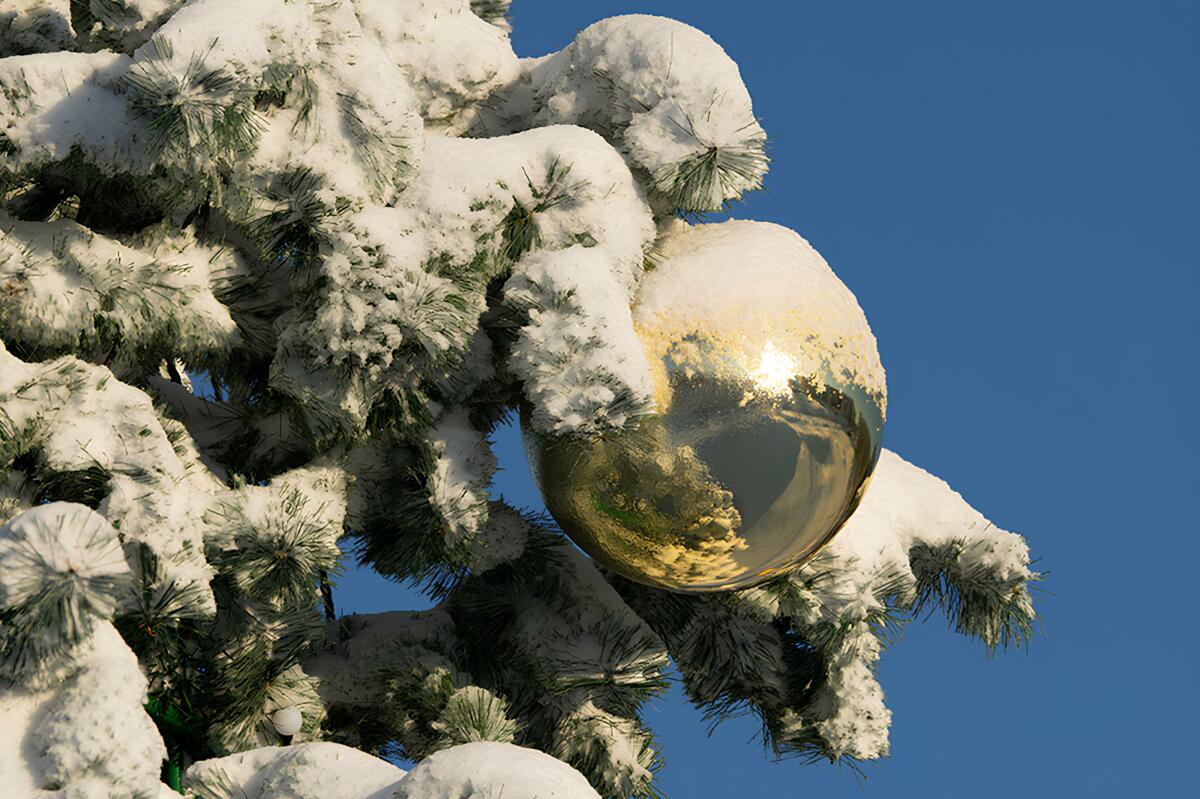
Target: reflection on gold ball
[[769, 408]]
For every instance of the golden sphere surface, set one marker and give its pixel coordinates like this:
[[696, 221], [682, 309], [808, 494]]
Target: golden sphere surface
[[769, 408]]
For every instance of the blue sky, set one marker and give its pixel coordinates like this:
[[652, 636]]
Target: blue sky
[[1012, 190]]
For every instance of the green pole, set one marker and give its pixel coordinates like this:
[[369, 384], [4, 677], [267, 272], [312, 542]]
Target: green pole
[[180, 731], [172, 773]]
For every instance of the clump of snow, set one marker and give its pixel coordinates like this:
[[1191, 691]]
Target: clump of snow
[[912, 534], [87, 736], [346, 116], [375, 644], [668, 96], [126, 24], [620, 745], [590, 227], [53, 102], [377, 320], [317, 770], [466, 188], [503, 539], [462, 472], [571, 631], [377, 299], [35, 26], [906, 508], [477, 770], [59, 541], [229, 35], [61, 549], [313, 496], [619, 749], [64, 284], [186, 100], [486, 769], [272, 543], [754, 285], [23, 710], [82, 418], [286, 532], [579, 359], [453, 58], [475, 714], [96, 728]]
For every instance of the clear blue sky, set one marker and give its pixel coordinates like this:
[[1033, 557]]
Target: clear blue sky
[[1012, 190]]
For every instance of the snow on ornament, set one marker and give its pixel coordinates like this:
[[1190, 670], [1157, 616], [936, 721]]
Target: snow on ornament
[[765, 426]]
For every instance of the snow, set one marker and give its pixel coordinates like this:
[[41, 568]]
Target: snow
[[67, 544], [566, 629], [454, 59], [625, 762], [55, 101], [906, 506], [84, 418], [318, 770], [468, 186], [52, 102], [298, 515], [363, 133], [311, 497], [61, 279], [66, 553], [376, 301], [301, 508], [348, 112], [352, 110], [663, 91], [129, 23], [876, 556], [503, 540], [486, 769], [35, 26], [86, 736], [474, 714], [581, 364], [23, 711], [374, 644], [757, 282], [462, 472], [96, 727], [478, 770], [237, 36]]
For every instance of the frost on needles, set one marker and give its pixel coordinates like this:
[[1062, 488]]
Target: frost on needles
[[374, 230]]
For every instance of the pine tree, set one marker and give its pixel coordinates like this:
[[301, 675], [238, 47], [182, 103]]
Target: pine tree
[[376, 233]]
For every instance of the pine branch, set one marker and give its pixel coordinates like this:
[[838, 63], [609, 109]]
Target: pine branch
[[61, 571]]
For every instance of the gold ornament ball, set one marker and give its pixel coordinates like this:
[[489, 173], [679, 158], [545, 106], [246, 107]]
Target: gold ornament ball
[[769, 401]]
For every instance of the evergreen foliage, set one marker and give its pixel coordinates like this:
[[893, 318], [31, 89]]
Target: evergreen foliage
[[261, 304], [61, 570]]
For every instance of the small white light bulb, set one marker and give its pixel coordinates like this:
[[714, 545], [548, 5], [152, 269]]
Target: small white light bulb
[[287, 721]]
